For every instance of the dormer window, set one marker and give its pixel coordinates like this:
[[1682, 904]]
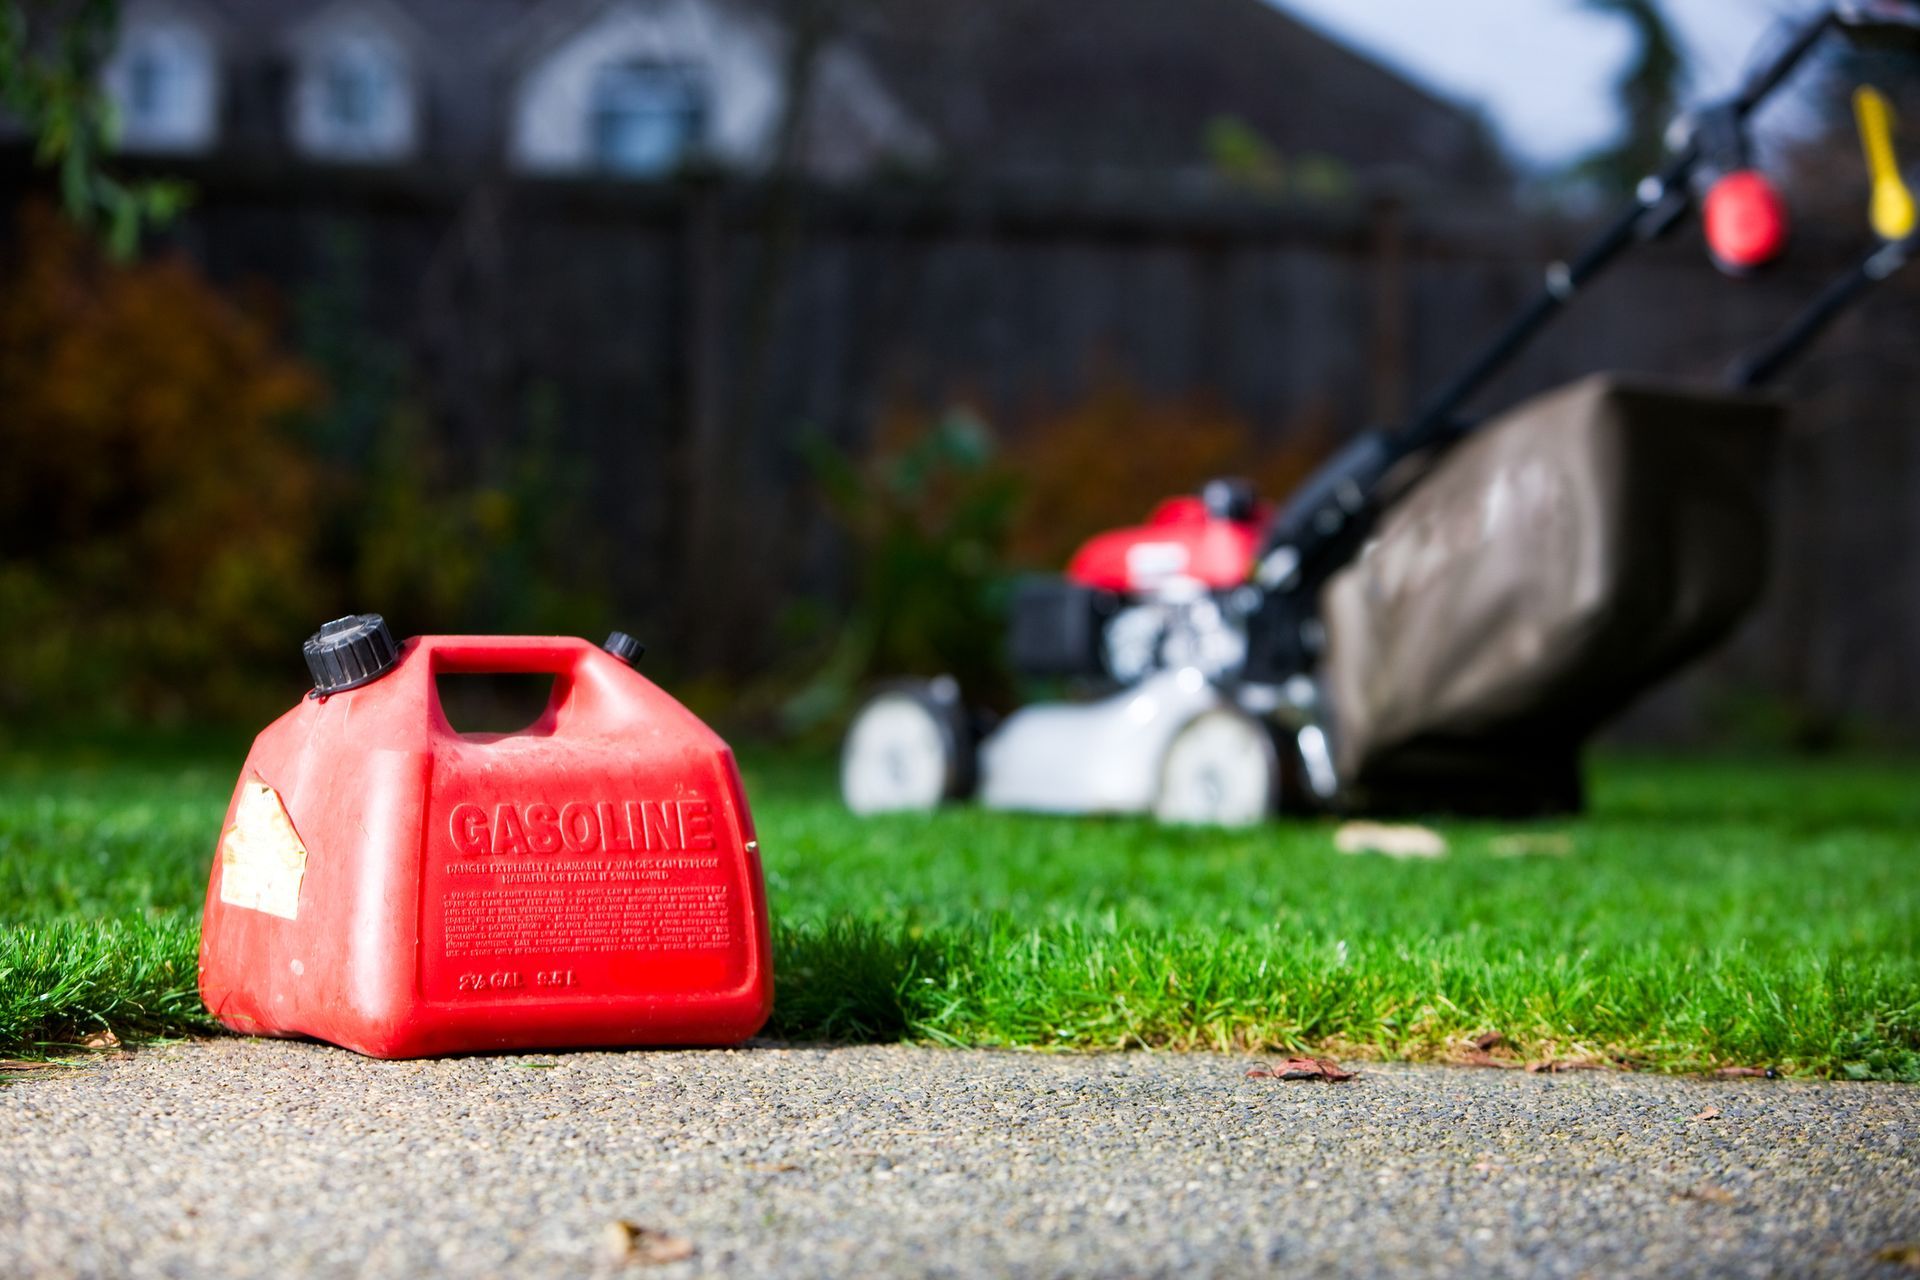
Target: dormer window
[[352, 86], [646, 117], [354, 99], [644, 88], [162, 81]]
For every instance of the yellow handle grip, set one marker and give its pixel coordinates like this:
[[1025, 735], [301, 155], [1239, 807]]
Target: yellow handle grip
[[1892, 211]]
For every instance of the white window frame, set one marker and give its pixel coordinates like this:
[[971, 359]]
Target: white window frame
[[186, 118], [389, 131], [681, 127]]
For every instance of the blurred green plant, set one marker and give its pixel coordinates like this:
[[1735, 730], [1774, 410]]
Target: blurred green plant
[[1238, 153], [1319, 176], [51, 52], [929, 514]]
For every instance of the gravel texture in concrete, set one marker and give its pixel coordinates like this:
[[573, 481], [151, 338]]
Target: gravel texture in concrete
[[236, 1157]]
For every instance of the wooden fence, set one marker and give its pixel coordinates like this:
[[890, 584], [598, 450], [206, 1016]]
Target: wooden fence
[[684, 337]]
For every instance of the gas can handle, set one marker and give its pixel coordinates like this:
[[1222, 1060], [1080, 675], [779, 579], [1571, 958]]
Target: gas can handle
[[506, 655]]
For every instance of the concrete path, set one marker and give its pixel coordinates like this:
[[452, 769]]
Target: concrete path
[[234, 1157]]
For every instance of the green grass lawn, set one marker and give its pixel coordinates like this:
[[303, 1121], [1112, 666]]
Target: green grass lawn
[[1707, 913]]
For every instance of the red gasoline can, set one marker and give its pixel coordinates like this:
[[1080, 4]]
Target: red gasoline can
[[391, 885]]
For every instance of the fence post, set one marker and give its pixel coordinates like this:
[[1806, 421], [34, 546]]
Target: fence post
[[1388, 362], [707, 445]]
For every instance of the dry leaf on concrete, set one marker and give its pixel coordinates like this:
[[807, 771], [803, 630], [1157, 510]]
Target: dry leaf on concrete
[[1301, 1069], [644, 1246], [1478, 1051], [1481, 1058], [1555, 1067], [1900, 1255]]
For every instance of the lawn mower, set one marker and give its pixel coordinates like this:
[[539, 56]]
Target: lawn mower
[[1442, 614]]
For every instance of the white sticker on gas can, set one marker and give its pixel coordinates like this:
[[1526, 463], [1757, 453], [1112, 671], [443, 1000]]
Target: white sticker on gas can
[[262, 861]]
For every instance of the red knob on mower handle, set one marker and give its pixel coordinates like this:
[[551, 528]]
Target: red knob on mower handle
[[1746, 221]]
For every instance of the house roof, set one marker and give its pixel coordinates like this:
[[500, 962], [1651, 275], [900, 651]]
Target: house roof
[[1006, 87], [455, 29], [1031, 85]]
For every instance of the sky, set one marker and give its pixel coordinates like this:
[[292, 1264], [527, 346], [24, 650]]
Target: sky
[[1542, 69]]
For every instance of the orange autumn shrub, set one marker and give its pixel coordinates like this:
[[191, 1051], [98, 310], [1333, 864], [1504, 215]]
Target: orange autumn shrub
[[1103, 462], [155, 515]]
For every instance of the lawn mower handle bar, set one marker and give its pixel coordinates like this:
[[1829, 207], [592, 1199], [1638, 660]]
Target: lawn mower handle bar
[[1759, 367], [1319, 528], [1316, 529], [1660, 202]]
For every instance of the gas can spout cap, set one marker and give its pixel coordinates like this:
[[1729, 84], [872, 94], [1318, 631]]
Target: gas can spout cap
[[348, 652], [625, 647]]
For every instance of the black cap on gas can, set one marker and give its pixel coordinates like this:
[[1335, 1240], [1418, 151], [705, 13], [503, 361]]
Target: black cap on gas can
[[348, 652], [624, 647]]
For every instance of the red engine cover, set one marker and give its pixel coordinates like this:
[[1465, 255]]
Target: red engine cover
[[1179, 540], [391, 885]]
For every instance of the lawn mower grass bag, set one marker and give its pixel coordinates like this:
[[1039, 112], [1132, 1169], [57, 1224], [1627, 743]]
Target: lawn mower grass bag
[[1562, 560]]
